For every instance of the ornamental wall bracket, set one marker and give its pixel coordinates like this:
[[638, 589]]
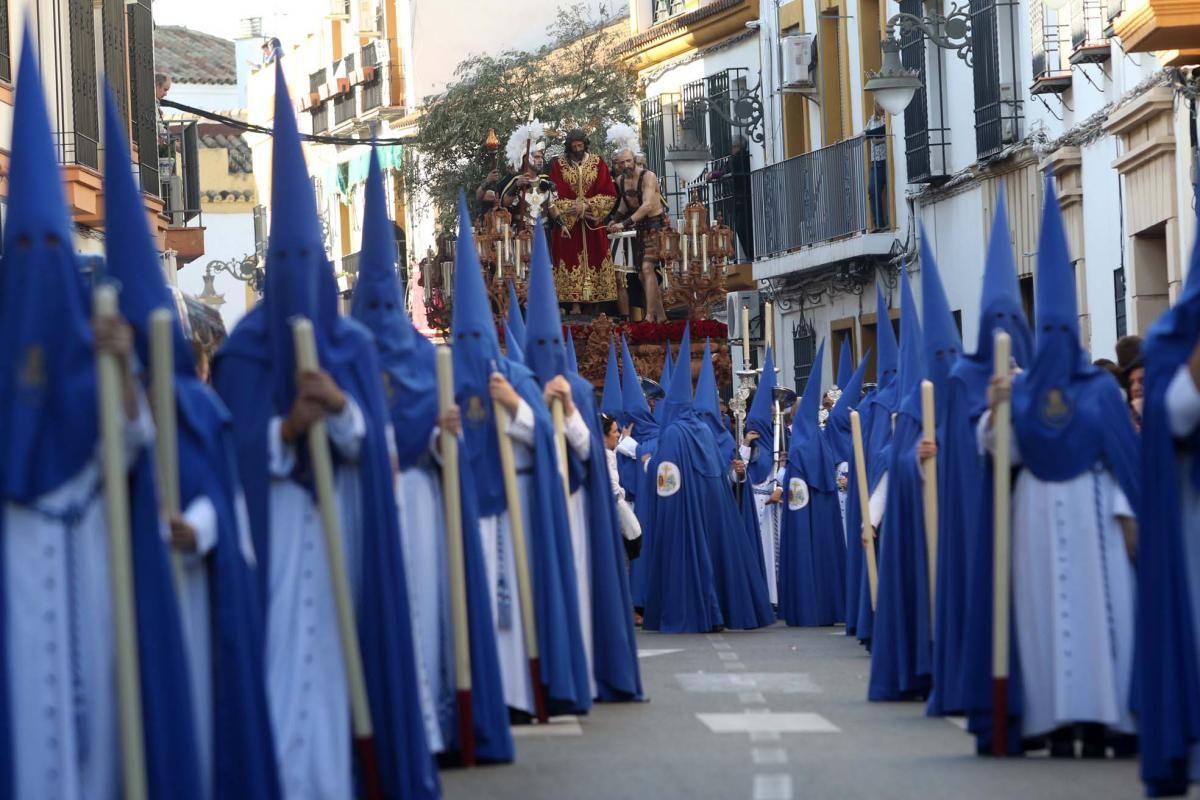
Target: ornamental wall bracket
[[950, 32], [744, 112], [849, 278]]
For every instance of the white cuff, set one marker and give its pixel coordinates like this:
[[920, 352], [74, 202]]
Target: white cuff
[[628, 447], [281, 456], [986, 436], [201, 514], [347, 430], [1183, 403], [520, 427], [578, 436], [878, 501], [744, 452], [139, 431], [1121, 505]]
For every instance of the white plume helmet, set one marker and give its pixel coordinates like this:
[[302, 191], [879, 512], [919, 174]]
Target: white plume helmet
[[624, 137], [529, 138]]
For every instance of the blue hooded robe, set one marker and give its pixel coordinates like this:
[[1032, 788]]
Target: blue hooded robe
[[254, 372], [563, 664], [410, 387], [49, 432], [614, 651], [242, 747], [841, 448], [1166, 688], [964, 592], [876, 410], [845, 370], [812, 549], [645, 432]]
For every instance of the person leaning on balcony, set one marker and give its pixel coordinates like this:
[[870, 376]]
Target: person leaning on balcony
[[875, 133], [162, 85]]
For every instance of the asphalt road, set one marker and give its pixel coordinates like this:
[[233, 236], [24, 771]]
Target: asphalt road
[[773, 714]]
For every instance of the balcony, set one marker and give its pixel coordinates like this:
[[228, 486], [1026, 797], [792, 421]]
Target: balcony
[[1152, 25], [725, 191], [676, 27], [179, 174], [366, 86], [818, 197]]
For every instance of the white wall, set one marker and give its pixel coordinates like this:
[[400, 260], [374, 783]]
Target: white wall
[[228, 237], [206, 96], [955, 228]]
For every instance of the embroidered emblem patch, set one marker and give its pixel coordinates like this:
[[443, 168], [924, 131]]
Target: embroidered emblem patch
[[476, 411], [1054, 409], [797, 494], [33, 371], [669, 481]]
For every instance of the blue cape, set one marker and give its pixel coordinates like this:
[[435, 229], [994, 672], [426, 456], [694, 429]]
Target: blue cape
[[552, 568], [961, 468], [812, 550], [1166, 686], [300, 282], [244, 754], [410, 389]]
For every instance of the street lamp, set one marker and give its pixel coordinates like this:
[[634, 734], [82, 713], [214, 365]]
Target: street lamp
[[245, 270], [894, 85]]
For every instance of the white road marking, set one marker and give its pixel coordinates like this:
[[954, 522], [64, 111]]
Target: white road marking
[[751, 697], [773, 787], [721, 645], [765, 736], [714, 637], [958, 722], [558, 726], [765, 682], [800, 722], [653, 653], [734, 665], [728, 656], [768, 755]]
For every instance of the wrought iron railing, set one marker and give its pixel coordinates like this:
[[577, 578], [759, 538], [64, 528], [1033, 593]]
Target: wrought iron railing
[[815, 197], [372, 90], [725, 190], [998, 106], [75, 106], [343, 107], [1049, 30], [320, 112], [143, 108], [180, 172], [5, 46], [662, 10], [112, 34]]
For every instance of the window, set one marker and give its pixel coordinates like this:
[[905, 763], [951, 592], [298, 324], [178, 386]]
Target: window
[[320, 112], [79, 142], [925, 145], [142, 105], [804, 348], [5, 46], [1050, 36], [1119, 302], [1089, 45], [112, 34], [998, 107], [662, 10]]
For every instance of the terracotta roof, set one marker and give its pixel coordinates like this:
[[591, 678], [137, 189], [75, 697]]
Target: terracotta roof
[[240, 159], [669, 27], [190, 56]]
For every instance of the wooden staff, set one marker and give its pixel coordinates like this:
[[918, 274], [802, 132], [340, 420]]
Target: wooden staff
[[452, 498], [1001, 497], [322, 469], [560, 445], [516, 524], [864, 503], [930, 496], [120, 554], [162, 403]]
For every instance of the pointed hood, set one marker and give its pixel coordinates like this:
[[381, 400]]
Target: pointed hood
[[299, 278], [132, 259], [664, 380], [406, 357], [679, 391], [708, 404], [808, 453], [515, 320], [572, 358], [838, 425], [476, 348], [610, 400], [48, 419], [845, 364], [912, 346], [943, 345], [512, 343], [760, 419], [545, 350], [1000, 305], [888, 356], [633, 401]]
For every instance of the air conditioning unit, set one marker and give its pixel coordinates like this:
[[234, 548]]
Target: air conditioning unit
[[733, 311], [799, 59]]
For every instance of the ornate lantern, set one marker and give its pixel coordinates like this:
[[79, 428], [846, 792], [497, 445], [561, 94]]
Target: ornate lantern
[[722, 242], [524, 245]]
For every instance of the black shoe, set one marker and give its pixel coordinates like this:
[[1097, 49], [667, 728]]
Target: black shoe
[[1033, 744], [1124, 745], [518, 717], [1062, 743], [717, 629], [1093, 735]]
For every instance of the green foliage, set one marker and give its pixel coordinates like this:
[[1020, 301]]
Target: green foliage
[[577, 80]]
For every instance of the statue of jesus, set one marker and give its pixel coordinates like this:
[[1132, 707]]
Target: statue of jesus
[[583, 269]]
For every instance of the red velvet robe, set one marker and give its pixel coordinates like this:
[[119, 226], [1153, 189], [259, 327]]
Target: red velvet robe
[[583, 268]]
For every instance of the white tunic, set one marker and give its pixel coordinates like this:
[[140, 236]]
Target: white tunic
[[496, 538], [768, 525], [306, 677], [579, 440], [1073, 589], [423, 544], [61, 663], [1183, 407]]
